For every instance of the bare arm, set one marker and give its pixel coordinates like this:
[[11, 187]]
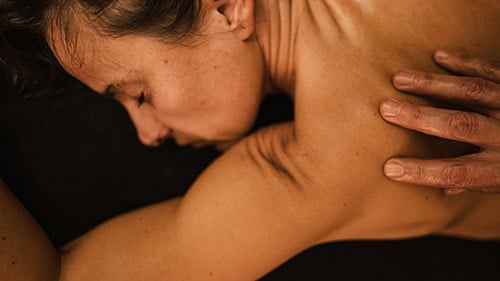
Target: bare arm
[[25, 251], [262, 202], [250, 211]]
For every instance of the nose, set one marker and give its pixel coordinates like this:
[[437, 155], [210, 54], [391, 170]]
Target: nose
[[152, 136], [151, 131]]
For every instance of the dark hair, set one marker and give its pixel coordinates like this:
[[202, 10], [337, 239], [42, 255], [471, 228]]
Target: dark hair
[[27, 60]]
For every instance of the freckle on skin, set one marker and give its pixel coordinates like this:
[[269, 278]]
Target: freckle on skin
[[165, 61], [3, 238], [13, 262]]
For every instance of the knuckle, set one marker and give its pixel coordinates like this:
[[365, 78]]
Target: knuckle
[[463, 125], [457, 176], [417, 114], [420, 173], [474, 89], [423, 80], [416, 117], [491, 68]]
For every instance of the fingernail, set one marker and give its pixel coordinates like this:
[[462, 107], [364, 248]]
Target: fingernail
[[394, 170], [442, 55], [403, 78], [390, 108]]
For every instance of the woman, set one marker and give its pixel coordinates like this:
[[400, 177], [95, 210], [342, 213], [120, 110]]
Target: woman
[[286, 187]]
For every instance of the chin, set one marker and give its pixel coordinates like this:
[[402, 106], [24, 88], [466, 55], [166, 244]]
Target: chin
[[223, 146]]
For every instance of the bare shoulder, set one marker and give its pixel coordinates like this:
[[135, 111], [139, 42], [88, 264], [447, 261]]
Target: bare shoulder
[[345, 72], [27, 253]]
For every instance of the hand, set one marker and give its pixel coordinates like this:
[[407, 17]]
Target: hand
[[480, 92]]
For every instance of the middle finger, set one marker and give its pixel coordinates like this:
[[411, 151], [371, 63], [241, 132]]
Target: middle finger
[[472, 91], [449, 124]]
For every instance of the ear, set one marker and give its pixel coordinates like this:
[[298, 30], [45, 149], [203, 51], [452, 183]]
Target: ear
[[240, 16]]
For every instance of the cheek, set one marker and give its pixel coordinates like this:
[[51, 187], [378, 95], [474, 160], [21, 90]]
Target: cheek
[[168, 95], [222, 91]]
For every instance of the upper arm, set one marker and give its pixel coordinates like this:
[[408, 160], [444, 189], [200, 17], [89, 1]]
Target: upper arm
[[26, 252], [269, 197], [251, 210]]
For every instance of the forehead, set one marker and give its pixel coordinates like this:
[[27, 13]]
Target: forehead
[[95, 59], [78, 48]]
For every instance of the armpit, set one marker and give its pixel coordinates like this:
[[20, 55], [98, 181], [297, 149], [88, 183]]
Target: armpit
[[275, 150]]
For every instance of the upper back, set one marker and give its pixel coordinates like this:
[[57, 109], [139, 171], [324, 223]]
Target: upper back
[[346, 56], [345, 64]]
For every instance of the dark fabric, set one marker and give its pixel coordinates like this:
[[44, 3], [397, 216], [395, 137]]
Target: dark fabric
[[74, 161]]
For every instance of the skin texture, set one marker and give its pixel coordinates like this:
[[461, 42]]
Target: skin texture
[[208, 111], [305, 182], [29, 256], [480, 93]]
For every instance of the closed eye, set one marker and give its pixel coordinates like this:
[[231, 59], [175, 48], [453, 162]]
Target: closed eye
[[141, 99]]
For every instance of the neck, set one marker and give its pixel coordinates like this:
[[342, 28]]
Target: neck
[[276, 31]]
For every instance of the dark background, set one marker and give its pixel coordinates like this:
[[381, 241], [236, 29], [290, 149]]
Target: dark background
[[74, 160]]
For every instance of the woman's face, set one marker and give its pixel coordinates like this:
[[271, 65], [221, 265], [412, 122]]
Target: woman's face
[[205, 93]]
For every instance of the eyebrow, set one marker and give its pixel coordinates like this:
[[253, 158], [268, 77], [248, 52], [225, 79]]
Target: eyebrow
[[115, 88]]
